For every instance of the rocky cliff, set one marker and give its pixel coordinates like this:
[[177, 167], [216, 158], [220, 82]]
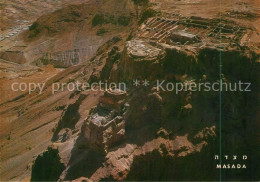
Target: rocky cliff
[[144, 131]]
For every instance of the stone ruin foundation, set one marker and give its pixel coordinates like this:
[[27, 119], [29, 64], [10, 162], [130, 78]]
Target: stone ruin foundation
[[106, 126]]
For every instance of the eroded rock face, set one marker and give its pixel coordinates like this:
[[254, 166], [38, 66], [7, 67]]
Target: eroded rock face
[[140, 58], [145, 109], [68, 120], [162, 128], [147, 134], [119, 162]]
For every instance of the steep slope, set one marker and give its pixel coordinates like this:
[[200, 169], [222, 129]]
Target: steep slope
[[142, 132], [183, 49], [29, 120]]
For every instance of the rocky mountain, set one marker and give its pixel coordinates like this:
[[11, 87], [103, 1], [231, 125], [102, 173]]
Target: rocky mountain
[[139, 131]]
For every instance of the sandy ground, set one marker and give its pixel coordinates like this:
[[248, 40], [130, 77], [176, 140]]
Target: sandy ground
[[11, 73]]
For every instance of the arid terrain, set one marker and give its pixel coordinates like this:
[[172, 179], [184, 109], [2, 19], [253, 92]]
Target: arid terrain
[[140, 133]]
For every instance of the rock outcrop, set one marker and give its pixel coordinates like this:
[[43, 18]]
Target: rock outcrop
[[163, 127], [143, 133], [139, 59]]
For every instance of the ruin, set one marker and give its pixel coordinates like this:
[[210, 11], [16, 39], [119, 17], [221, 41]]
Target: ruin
[[62, 59], [14, 54], [105, 126], [87, 47], [198, 31], [82, 51], [184, 37], [6, 34]]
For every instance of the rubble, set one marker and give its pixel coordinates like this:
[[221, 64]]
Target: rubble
[[142, 49]]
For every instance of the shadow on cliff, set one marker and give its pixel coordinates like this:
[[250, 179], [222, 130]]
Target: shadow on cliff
[[69, 118]]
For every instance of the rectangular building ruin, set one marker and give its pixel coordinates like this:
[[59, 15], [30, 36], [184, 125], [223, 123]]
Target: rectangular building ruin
[[14, 54], [184, 37], [105, 126]]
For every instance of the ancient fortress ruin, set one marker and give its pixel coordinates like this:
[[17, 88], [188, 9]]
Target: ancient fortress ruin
[[191, 30], [106, 126]]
